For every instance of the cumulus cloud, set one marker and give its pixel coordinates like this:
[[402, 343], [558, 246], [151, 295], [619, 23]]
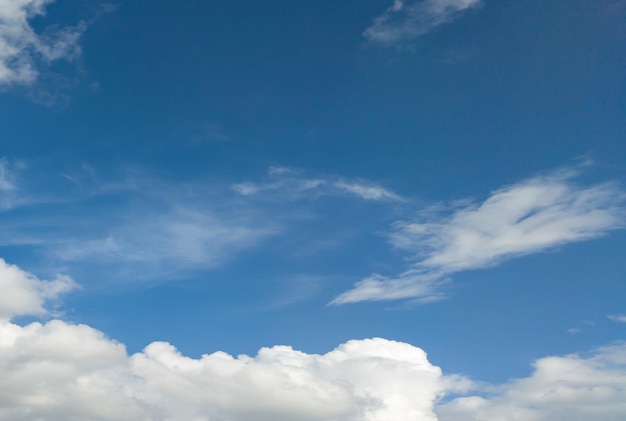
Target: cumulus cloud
[[22, 49], [69, 372], [528, 217], [59, 371], [24, 294], [404, 21], [561, 388]]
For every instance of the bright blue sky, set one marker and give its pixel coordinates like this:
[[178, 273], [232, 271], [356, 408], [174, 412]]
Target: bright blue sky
[[241, 174]]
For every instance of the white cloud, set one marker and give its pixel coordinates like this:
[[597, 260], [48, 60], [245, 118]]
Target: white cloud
[[620, 318], [528, 217], [426, 287], [6, 182], [366, 190], [22, 49], [59, 371], [563, 388], [154, 245], [404, 21], [67, 372], [287, 183], [23, 294]]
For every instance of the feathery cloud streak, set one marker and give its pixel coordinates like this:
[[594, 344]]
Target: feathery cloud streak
[[528, 217], [403, 22], [22, 49], [287, 183]]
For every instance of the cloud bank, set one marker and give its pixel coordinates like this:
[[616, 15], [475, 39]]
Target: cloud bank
[[405, 21], [528, 217], [59, 371], [22, 50]]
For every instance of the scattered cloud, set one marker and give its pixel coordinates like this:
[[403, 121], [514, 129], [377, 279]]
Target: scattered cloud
[[528, 217], [288, 183], [405, 21], [24, 294], [366, 190], [620, 318], [423, 287], [568, 387], [22, 50]]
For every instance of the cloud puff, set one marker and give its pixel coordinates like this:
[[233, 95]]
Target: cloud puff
[[528, 217], [23, 294], [404, 21], [65, 372], [560, 389], [22, 49]]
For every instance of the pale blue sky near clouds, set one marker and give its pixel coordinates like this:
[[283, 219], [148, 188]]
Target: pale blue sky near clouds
[[347, 184]]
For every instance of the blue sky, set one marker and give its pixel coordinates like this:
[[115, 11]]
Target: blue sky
[[344, 186]]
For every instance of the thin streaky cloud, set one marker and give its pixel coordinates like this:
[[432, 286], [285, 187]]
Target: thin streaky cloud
[[531, 216], [404, 21], [367, 191], [287, 183], [620, 318]]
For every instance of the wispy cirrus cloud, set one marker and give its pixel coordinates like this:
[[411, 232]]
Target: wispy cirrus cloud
[[289, 183], [620, 318], [405, 21], [528, 217], [22, 50]]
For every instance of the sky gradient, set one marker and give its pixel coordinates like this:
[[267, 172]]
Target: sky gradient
[[314, 210]]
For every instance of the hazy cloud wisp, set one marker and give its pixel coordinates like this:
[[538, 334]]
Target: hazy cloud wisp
[[404, 21]]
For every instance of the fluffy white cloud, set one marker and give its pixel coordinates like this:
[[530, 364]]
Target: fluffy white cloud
[[59, 371], [528, 217], [23, 294], [21, 48], [567, 388], [405, 21]]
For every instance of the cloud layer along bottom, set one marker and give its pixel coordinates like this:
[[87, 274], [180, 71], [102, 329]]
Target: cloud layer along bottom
[[60, 371]]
